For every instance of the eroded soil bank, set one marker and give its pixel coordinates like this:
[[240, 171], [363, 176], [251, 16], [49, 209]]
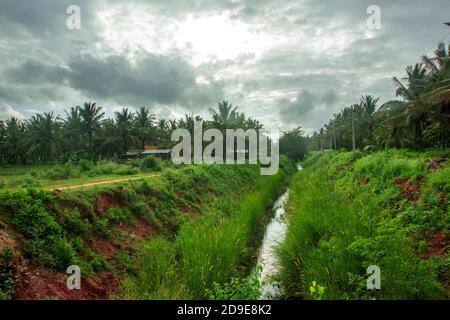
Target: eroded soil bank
[[111, 233]]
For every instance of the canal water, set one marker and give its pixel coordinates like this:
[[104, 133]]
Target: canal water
[[274, 235]]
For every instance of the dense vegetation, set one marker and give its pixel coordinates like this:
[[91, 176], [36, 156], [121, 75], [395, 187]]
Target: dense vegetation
[[349, 210], [420, 120], [85, 133], [178, 234], [60, 175]]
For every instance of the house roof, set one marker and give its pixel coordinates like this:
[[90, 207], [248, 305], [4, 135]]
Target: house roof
[[157, 151], [133, 152]]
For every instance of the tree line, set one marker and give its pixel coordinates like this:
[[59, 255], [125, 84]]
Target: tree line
[[419, 120], [85, 133]]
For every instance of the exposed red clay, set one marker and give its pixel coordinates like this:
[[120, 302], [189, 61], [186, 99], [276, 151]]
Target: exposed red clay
[[104, 248], [410, 189], [437, 246], [106, 201], [41, 284], [6, 241]]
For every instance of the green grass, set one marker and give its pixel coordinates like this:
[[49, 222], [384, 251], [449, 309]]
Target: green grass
[[207, 219], [345, 213], [212, 252], [47, 176]]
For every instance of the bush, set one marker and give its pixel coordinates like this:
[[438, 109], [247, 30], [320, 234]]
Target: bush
[[85, 164], [60, 172], [45, 238], [7, 273], [338, 226], [237, 289], [151, 163], [125, 170]]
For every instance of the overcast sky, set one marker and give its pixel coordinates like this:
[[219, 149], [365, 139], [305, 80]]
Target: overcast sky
[[285, 63]]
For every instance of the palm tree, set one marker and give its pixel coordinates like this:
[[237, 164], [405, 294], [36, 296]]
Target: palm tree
[[437, 97], [226, 116], [124, 122], [416, 110], [42, 140], [14, 140], [392, 125], [251, 123], [110, 142], [72, 130], [91, 118], [438, 63], [143, 123], [2, 140], [369, 103]]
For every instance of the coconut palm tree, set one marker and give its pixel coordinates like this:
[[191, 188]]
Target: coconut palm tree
[[144, 126], [72, 130], [42, 138], [416, 85], [14, 133], [226, 116], [91, 118], [124, 122]]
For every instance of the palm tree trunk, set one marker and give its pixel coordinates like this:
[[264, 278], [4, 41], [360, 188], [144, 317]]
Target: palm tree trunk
[[353, 134], [91, 149]]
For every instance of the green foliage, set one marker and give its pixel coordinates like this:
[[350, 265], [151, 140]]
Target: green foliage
[[7, 273], [151, 163], [316, 291], [127, 263], [45, 239], [97, 262], [76, 225], [157, 277], [346, 213], [85, 165], [205, 256], [294, 144], [237, 289], [440, 180]]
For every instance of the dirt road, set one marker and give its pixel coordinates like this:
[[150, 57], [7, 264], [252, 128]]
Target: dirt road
[[96, 183]]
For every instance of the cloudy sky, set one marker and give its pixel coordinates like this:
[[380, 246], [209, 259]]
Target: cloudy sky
[[285, 63]]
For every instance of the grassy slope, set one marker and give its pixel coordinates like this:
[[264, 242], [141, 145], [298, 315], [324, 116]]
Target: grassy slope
[[50, 176], [106, 231], [209, 252], [349, 211]]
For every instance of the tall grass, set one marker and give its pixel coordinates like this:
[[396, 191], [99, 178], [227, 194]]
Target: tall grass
[[338, 226], [214, 248]]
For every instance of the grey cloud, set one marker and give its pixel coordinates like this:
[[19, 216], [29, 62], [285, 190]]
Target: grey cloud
[[36, 72], [152, 79], [45, 64], [306, 106], [6, 112]]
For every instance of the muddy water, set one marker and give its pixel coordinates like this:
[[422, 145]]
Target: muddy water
[[274, 235]]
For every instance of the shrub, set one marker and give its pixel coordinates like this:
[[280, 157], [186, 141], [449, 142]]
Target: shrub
[[85, 164], [7, 273], [125, 170], [151, 163], [237, 289], [45, 238], [77, 225]]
